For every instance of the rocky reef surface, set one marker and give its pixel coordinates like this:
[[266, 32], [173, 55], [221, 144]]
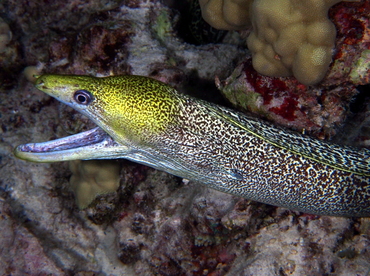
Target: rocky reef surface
[[158, 224]]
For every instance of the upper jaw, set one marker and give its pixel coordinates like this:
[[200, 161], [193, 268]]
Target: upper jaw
[[91, 144]]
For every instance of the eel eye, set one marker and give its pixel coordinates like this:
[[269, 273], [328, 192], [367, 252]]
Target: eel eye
[[83, 97]]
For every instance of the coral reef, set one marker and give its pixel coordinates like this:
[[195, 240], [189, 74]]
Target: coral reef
[[291, 37], [288, 37], [155, 224], [351, 59], [91, 178], [198, 31], [226, 14], [317, 109]]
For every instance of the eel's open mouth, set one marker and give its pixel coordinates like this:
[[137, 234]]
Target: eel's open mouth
[[91, 144]]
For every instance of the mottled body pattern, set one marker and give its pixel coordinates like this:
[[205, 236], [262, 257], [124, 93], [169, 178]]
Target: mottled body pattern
[[155, 125], [234, 160]]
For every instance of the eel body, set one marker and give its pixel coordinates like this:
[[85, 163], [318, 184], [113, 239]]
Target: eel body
[[149, 122]]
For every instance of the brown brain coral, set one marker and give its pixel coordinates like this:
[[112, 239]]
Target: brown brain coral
[[289, 37], [292, 37], [226, 14]]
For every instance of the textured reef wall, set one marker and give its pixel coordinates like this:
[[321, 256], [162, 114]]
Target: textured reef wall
[[158, 224]]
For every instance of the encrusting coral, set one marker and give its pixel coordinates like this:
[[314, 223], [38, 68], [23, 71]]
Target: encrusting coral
[[91, 178], [289, 37]]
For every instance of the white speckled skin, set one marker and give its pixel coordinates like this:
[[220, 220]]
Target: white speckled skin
[[152, 124]]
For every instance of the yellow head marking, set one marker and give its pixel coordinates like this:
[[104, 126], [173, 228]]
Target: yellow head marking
[[133, 107]]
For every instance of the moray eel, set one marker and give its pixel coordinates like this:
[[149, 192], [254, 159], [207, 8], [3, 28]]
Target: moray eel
[[147, 121]]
